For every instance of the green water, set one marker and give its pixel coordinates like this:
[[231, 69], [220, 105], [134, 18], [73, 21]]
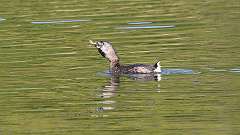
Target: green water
[[49, 75]]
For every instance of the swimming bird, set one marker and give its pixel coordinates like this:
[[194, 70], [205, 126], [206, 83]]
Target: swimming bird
[[107, 51]]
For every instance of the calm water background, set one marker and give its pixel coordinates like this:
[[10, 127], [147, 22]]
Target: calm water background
[[49, 81]]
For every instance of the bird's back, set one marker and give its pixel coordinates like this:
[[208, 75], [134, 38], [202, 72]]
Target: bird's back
[[137, 68]]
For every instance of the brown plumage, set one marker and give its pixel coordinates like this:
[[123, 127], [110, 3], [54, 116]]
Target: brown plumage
[[106, 50]]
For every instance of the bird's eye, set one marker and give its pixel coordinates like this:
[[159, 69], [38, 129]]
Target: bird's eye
[[102, 43]]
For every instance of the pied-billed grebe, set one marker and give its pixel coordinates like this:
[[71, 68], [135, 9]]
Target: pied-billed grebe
[[107, 51]]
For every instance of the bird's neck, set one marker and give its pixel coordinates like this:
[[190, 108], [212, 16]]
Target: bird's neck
[[115, 66]]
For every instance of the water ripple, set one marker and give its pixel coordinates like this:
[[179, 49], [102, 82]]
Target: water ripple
[[147, 27], [178, 71], [18, 61], [2, 19], [235, 70], [140, 22], [58, 22]]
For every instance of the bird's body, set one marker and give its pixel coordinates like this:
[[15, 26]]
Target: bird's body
[[136, 68], [107, 51]]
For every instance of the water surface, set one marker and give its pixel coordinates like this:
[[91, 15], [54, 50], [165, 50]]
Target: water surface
[[49, 74]]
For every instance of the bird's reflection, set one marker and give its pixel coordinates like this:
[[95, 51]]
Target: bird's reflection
[[109, 90], [145, 77]]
